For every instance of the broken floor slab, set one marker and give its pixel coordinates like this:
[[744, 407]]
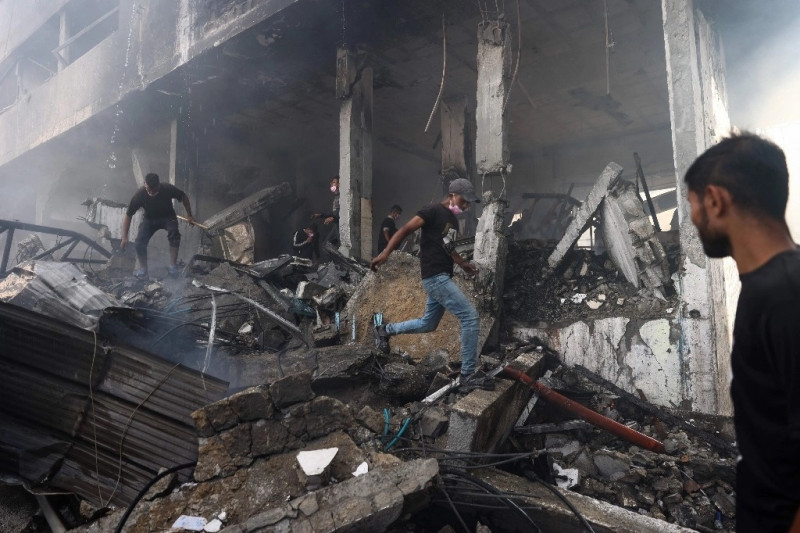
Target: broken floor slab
[[584, 213], [550, 513], [630, 238], [249, 206]]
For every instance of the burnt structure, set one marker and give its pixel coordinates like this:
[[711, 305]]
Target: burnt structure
[[227, 98]]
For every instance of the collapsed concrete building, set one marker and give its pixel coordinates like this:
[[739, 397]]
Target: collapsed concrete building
[[252, 106]]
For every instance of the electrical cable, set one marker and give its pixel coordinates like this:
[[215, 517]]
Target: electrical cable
[[444, 68], [144, 490], [399, 434], [480, 483], [530, 474]]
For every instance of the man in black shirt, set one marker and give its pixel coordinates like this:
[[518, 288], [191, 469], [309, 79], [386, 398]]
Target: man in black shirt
[[156, 200], [332, 218], [436, 256], [388, 227], [738, 191]]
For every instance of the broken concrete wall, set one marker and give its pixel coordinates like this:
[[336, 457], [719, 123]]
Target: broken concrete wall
[[633, 354]]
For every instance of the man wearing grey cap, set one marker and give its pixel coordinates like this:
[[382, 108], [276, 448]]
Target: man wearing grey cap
[[436, 256]]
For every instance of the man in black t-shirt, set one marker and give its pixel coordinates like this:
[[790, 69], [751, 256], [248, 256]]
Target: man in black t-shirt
[[388, 227], [738, 191], [436, 257], [156, 200], [331, 219]]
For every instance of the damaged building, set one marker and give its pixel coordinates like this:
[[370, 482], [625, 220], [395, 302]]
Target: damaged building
[[246, 394]]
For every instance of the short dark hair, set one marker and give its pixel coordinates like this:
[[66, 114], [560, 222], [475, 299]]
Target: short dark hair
[[335, 178], [751, 168], [397, 208], [151, 180]]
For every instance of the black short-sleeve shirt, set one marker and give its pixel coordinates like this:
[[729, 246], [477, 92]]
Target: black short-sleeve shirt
[[388, 223], [440, 224], [158, 206], [765, 361]]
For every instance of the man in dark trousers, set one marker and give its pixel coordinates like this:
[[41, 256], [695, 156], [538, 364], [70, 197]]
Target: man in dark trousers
[[436, 256], [388, 227], [738, 191], [156, 200], [332, 218]]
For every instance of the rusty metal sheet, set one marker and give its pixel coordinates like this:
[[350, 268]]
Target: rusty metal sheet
[[138, 409]]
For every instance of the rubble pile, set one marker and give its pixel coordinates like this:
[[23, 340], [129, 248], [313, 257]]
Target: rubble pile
[[690, 484], [585, 285]]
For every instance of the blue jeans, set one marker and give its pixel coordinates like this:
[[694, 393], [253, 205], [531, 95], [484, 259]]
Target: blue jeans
[[443, 293]]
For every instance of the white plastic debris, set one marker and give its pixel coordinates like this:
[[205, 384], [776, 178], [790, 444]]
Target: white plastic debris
[[222, 516], [578, 298], [601, 297], [214, 526], [315, 462], [670, 310], [362, 469], [593, 304], [190, 523], [566, 478], [245, 329]]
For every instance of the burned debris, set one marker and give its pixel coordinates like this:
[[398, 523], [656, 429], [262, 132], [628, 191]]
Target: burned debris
[[319, 431], [242, 383]]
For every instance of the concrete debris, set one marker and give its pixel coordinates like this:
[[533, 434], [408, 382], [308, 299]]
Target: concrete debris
[[630, 238], [584, 214]]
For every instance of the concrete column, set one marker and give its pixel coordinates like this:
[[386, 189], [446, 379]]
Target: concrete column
[[491, 249], [705, 346], [491, 144], [354, 89], [457, 148], [182, 159]]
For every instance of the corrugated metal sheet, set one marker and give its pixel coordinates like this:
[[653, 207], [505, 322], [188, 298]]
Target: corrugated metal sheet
[[58, 290], [47, 424]]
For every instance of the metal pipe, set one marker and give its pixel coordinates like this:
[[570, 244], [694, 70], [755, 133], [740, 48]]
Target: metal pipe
[[53, 520], [620, 430]]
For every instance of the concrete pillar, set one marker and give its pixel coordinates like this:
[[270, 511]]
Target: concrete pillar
[[183, 159], [354, 89], [491, 144], [705, 346], [457, 148], [491, 249]]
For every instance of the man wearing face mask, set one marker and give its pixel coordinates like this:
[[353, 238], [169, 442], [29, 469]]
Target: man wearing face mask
[[437, 255], [332, 218]]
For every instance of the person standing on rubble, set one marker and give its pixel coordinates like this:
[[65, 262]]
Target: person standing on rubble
[[436, 256], [306, 242], [156, 200], [332, 218], [388, 227], [738, 190]]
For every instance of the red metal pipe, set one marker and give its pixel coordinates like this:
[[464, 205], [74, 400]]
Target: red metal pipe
[[631, 435]]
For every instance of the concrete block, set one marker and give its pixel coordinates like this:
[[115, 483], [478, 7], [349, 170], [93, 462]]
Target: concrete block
[[307, 290], [325, 335], [434, 422], [291, 389], [609, 463], [480, 419], [253, 403]]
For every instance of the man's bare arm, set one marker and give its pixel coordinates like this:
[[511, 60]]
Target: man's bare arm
[[410, 227], [126, 228], [188, 207]]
